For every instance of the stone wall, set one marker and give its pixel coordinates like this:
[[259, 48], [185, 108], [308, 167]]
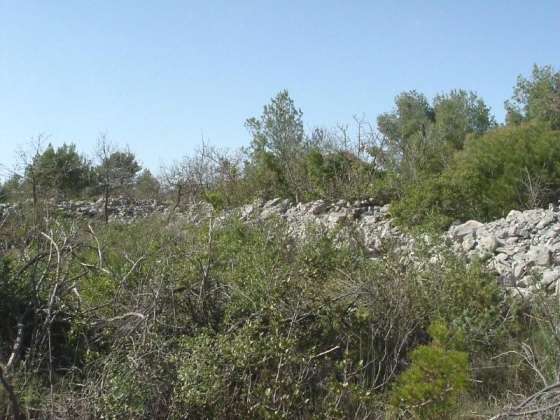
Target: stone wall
[[523, 249]]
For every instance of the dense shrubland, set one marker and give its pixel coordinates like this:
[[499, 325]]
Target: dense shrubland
[[435, 161], [235, 320], [509, 168], [162, 318]]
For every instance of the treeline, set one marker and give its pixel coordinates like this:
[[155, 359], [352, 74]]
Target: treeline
[[163, 318], [436, 160], [64, 173]]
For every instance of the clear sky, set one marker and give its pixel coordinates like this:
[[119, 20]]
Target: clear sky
[[157, 75]]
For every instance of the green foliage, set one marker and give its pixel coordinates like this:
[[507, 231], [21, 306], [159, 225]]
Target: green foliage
[[406, 132], [131, 392], [216, 198], [536, 99], [459, 114], [430, 388], [285, 163], [508, 168], [61, 171], [147, 186], [266, 176], [338, 175], [277, 146], [280, 128], [118, 170], [434, 202], [421, 139], [238, 320], [238, 375], [472, 304], [230, 319], [261, 362]]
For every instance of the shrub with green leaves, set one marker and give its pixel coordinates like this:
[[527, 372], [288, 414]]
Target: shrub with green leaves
[[430, 388], [239, 320], [508, 168]]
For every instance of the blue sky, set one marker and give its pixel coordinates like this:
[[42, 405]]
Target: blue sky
[[159, 75]]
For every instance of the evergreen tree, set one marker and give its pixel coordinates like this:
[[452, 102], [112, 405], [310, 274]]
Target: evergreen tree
[[537, 98], [278, 142]]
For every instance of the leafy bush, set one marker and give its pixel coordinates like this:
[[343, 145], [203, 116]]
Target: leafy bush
[[430, 388], [469, 299], [237, 319], [338, 175], [508, 168]]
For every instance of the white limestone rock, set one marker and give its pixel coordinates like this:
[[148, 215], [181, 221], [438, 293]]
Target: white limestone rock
[[539, 255], [467, 228]]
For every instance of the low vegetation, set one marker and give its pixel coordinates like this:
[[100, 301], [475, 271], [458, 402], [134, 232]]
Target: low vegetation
[[152, 320], [163, 318]]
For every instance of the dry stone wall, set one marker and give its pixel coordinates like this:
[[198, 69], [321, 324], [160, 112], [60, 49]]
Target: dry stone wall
[[523, 249]]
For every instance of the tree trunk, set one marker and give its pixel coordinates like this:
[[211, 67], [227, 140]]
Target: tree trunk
[[106, 204]]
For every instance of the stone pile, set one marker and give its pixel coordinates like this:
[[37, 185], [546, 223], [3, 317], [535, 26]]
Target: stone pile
[[120, 209], [523, 249], [372, 222]]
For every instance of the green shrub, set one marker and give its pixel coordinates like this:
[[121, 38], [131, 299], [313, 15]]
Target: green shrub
[[238, 320], [472, 303], [338, 175], [508, 168], [540, 343], [247, 374], [430, 388]]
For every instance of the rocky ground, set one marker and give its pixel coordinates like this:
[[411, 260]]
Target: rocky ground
[[523, 249]]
